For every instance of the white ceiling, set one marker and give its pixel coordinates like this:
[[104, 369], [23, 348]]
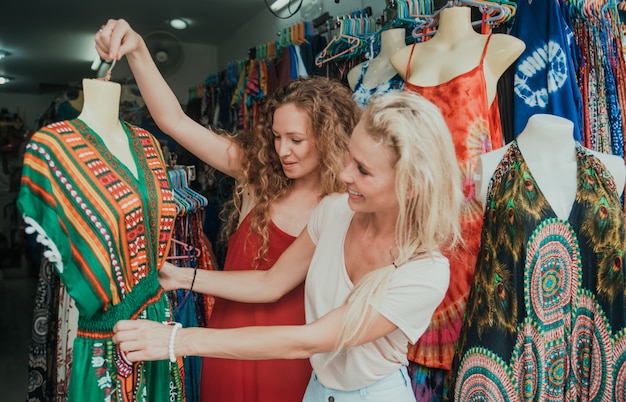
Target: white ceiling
[[51, 42]]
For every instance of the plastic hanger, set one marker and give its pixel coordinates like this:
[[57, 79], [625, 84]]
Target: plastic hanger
[[182, 205], [353, 38], [187, 250], [198, 200], [343, 44], [495, 14], [186, 198], [107, 74]]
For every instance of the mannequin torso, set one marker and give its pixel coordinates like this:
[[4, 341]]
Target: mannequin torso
[[101, 113], [548, 146], [379, 69], [455, 49]]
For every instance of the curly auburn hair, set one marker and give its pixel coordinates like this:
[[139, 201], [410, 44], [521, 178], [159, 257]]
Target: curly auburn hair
[[333, 114]]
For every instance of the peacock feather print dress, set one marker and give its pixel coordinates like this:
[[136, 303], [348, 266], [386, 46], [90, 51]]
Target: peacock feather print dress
[[545, 318]]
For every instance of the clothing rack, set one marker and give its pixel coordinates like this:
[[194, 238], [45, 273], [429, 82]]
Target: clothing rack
[[190, 170], [355, 31], [493, 14], [322, 24], [322, 19]]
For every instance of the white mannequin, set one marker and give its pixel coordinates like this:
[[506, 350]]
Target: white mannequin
[[101, 113], [548, 146], [379, 68], [456, 48]]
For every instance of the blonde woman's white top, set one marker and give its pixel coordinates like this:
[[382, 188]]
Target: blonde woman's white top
[[414, 291]]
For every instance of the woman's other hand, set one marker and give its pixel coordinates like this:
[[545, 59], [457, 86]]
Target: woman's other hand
[[143, 339]]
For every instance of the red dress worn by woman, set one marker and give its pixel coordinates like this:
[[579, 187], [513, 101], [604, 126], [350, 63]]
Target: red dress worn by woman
[[225, 380]]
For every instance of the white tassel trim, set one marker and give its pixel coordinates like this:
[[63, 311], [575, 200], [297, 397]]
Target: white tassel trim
[[51, 253]]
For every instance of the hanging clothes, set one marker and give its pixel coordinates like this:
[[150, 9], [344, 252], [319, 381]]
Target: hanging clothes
[[362, 94], [545, 319], [191, 309], [475, 128], [233, 97], [545, 73], [92, 216], [189, 250], [250, 91], [601, 75], [65, 106], [42, 354], [55, 321]]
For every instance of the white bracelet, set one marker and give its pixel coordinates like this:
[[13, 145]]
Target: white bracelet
[[175, 328]]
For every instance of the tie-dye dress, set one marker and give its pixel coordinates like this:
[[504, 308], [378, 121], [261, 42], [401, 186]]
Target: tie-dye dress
[[362, 93], [476, 129]]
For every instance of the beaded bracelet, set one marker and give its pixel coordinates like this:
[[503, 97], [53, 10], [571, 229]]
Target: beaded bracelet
[[176, 326]]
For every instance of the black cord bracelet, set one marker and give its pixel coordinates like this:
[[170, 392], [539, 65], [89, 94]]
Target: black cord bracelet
[[195, 271]]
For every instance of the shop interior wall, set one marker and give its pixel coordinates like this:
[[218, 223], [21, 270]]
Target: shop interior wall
[[265, 27], [199, 60], [27, 106]]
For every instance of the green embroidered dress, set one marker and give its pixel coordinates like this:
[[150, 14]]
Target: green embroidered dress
[[106, 231]]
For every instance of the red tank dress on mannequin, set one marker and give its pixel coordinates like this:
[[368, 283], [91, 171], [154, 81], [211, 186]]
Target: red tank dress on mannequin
[[476, 129]]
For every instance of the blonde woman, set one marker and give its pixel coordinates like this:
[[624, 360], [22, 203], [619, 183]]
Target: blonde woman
[[282, 173], [371, 258]]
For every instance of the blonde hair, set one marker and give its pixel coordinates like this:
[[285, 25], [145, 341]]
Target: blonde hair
[[428, 189], [333, 114]]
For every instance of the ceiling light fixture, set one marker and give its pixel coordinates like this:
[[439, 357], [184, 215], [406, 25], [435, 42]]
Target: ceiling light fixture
[[3, 54], [4, 79], [279, 5], [179, 23]]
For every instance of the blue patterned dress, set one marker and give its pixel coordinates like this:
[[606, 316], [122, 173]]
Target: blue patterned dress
[[362, 94], [546, 319], [545, 73]]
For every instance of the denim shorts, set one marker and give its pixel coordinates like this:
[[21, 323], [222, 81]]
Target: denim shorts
[[395, 387]]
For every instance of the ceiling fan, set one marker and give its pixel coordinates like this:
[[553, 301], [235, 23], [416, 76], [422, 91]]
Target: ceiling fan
[[166, 51]]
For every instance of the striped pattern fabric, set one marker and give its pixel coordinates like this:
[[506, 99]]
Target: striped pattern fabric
[[107, 233]]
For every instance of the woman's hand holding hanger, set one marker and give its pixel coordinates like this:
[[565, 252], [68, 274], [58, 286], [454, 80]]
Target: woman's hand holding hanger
[[171, 276], [115, 39]]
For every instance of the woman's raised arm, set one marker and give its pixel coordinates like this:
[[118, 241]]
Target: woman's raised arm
[[117, 39]]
